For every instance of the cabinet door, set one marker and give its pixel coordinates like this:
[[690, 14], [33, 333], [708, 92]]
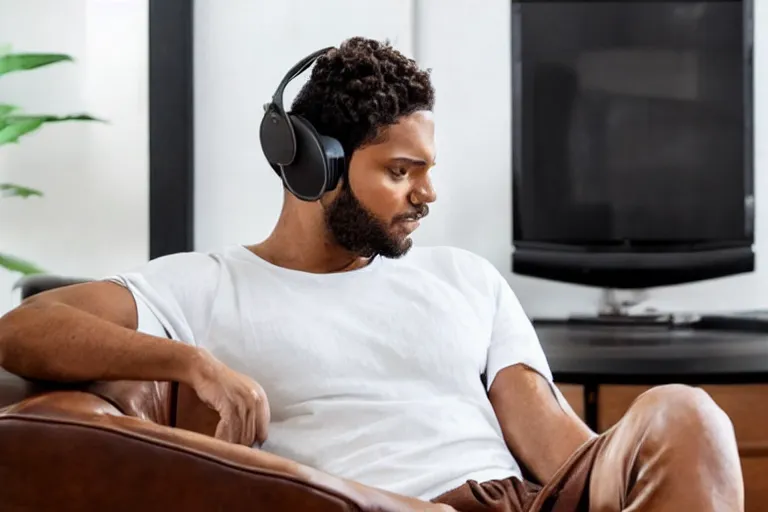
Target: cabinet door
[[574, 395]]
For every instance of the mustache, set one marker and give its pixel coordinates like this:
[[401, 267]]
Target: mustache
[[419, 213]]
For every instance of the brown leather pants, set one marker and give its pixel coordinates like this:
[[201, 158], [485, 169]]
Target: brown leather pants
[[673, 451]]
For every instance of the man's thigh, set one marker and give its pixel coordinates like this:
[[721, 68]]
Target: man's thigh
[[566, 492]]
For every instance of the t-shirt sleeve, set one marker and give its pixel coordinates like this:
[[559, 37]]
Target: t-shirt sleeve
[[173, 295], [513, 339]]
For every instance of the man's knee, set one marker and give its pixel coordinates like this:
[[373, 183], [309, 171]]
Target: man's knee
[[677, 408]]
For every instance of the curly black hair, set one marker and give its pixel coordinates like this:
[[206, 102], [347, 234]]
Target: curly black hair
[[360, 87]]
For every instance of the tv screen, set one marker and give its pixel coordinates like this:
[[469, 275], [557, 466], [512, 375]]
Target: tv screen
[[632, 124]]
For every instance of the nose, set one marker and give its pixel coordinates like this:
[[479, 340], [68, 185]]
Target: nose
[[424, 192]]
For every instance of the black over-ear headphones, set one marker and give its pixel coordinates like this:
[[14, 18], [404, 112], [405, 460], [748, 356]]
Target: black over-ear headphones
[[309, 163]]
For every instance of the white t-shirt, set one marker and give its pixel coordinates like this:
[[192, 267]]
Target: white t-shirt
[[373, 374]]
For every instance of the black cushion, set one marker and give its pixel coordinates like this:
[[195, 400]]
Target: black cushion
[[30, 285]]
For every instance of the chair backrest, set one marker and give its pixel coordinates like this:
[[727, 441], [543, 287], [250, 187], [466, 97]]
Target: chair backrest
[[31, 285]]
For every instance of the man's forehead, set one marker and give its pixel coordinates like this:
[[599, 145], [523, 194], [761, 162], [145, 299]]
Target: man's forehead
[[414, 133]]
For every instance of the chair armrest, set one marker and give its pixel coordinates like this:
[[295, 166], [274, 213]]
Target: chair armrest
[[72, 450]]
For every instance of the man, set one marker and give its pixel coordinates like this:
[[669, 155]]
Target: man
[[335, 344]]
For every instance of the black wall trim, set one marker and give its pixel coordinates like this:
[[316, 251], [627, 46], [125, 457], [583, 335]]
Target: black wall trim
[[171, 127]]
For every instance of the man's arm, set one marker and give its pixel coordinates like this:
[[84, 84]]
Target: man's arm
[[540, 430], [87, 332]]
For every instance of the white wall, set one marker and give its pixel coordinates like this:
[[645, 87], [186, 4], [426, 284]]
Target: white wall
[[93, 219], [243, 48]]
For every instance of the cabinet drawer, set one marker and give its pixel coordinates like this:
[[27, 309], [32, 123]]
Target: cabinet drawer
[[747, 406], [613, 402], [755, 471], [744, 404]]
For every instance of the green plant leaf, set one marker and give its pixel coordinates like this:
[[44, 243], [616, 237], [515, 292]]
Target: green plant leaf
[[11, 190], [24, 61], [14, 127], [10, 132], [15, 264], [6, 109], [52, 119]]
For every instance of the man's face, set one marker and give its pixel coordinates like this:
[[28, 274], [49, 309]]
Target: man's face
[[387, 191]]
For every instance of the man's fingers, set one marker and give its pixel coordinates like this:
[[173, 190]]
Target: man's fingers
[[240, 424], [245, 429], [244, 414], [236, 426], [261, 423], [230, 427], [250, 426], [223, 430]]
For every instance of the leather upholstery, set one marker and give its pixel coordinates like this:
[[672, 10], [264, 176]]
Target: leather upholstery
[[70, 450], [146, 446], [145, 400]]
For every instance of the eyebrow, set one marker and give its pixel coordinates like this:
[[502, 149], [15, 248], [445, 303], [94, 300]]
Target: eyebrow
[[405, 160]]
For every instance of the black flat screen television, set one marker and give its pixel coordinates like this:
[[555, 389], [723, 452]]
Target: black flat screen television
[[632, 141]]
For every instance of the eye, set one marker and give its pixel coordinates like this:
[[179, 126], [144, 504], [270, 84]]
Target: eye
[[398, 172]]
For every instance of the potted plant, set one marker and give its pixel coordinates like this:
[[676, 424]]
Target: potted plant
[[14, 124]]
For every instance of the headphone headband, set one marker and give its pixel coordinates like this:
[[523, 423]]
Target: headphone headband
[[296, 70]]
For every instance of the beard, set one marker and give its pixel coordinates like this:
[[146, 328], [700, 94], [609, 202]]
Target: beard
[[358, 230]]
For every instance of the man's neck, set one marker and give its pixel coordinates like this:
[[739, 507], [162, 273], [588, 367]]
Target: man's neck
[[299, 243]]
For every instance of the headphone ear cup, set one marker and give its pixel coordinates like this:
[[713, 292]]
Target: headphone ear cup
[[307, 176], [336, 162], [278, 140]]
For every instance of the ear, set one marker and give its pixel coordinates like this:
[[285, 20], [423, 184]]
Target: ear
[[328, 198]]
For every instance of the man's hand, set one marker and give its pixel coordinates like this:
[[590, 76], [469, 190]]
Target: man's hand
[[239, 400]]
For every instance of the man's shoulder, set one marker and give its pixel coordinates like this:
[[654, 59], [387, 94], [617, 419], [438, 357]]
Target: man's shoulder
[[184, 261], [449, 253], [189, 265], [456, 261]]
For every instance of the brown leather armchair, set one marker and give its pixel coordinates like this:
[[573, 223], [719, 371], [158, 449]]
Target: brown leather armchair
[[145, 446]]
